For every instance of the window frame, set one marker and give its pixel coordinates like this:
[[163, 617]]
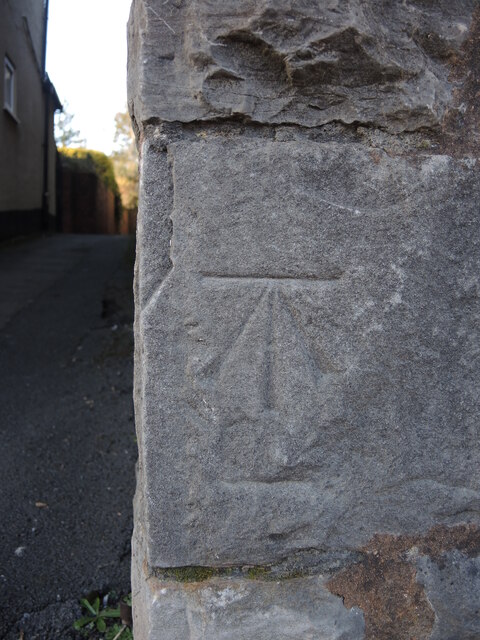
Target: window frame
[[10, 92]]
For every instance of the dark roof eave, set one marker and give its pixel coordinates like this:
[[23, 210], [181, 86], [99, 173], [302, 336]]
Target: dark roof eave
[[48, 86]]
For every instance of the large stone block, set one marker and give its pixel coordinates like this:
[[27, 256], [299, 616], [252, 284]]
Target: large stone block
[[231, 607], [307, 319], [310, 62], [306, 361]]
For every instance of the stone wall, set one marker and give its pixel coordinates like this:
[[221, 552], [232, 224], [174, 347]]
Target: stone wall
[[307, 312]]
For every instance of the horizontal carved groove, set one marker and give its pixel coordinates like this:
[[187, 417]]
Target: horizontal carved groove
[[273, 277]]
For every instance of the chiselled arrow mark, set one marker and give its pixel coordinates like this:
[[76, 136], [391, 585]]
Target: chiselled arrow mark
[[243, 354], [215, 364], [272, 278], [304, 338]]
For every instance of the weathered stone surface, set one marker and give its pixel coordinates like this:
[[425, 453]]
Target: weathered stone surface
[[380, 62], [226, 608], [418, 587], [306, 362], [307, 322], [453, 588]]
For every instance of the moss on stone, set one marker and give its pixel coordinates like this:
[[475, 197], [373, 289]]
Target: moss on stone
[[201, 574], [259, 572], [189, 574]]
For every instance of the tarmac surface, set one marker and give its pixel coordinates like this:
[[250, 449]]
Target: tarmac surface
[[68, 449]]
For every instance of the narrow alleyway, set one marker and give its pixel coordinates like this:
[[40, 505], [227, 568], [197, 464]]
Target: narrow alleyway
[[67, 436]]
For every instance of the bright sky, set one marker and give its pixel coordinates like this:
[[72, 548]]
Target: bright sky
[[86, 61]]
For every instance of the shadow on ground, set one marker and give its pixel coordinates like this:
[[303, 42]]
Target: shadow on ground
[[66, 428]]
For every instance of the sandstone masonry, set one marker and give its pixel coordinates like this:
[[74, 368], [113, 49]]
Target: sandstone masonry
[[307, 319]]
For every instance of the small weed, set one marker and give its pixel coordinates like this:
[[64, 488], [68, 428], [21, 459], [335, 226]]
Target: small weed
[[118, 632], [97, 618]]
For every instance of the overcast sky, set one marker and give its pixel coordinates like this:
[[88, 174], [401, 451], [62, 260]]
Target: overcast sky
[[86, 61]]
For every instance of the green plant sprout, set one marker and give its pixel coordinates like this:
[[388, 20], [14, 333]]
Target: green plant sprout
[[118, 632], [96, 617]]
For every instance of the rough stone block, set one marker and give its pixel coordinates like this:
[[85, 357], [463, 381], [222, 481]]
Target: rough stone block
[[453, 589], [307, 352], [307, 319], [232, 607], [309, 63]]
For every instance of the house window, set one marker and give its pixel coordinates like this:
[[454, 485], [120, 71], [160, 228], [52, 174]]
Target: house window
[[9, 86]]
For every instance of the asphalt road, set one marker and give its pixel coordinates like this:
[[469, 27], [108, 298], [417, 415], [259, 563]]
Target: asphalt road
[[67, 441]]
